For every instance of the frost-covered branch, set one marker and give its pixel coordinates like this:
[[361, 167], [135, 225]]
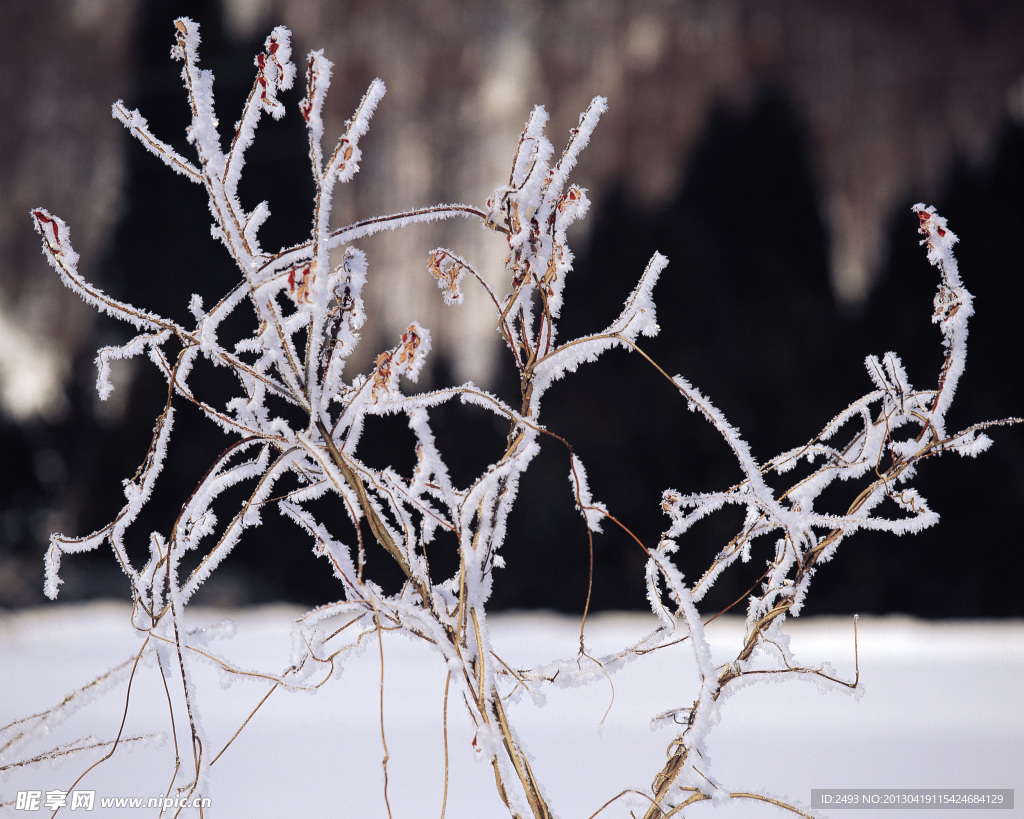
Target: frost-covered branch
[[895, 427], [297, 412]]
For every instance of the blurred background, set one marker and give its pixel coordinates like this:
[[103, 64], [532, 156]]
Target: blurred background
[[770, 148]]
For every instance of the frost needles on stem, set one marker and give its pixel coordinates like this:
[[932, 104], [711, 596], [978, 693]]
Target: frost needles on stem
[[295, 420]]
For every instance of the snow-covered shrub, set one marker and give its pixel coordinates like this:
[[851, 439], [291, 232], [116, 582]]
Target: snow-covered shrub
[[296, 418]]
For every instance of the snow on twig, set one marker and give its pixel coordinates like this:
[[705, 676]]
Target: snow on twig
[[297, 412]]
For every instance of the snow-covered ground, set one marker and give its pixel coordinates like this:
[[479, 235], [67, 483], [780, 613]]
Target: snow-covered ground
[[942, 706]]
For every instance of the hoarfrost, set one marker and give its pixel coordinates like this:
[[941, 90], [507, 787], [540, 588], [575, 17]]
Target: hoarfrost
[[305, 315]]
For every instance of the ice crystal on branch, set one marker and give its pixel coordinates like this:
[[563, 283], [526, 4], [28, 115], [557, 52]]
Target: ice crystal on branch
[[296, 416]]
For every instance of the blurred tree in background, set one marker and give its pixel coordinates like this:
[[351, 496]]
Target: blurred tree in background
[[755, 319]]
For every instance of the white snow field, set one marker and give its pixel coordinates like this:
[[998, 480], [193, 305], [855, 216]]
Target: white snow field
[[941, 705]]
